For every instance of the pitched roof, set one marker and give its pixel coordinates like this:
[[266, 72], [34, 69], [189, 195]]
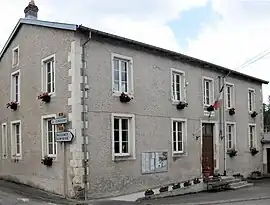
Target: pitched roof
[[74, 27]]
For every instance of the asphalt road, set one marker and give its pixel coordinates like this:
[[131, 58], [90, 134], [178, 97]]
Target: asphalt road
[[257, 202]]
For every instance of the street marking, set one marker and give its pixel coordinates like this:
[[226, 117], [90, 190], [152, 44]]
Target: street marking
[[23, 199]]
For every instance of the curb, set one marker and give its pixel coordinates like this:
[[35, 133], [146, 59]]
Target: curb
[[228, 201]]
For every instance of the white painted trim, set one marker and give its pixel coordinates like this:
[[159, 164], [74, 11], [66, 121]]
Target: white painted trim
[[13, 51], [17, 72], [175, 153], [213, 90], [44, 152], [43, 78], [255, 133], [254, 100], [4, 140], [13, 144], [132, 140], [182, 85], [233, 95], [235, 133], [130, 74]]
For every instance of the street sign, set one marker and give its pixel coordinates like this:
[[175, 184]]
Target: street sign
[[64, 136], [60, 120]]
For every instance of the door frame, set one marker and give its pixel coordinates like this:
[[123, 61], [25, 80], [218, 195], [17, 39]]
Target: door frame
[[215, 142]]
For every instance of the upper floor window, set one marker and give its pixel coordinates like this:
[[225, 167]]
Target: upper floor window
[[48, 74], [15, 86], [122, 74], [229, 95], [208, 91], [251, 100], [15, 56], [177, 83]]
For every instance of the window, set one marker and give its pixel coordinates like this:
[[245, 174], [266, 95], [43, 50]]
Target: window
[[15, 86], [177, 82], [122, 74], [208, 91], [123, 135], [251, 100], [252, 135], [48, 74], [15, 56], [4, 141], [49, 144], [229, 95], [231, 135], [178, 135], [16, 139]]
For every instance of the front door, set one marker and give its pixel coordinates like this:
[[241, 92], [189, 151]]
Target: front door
[[207, 147], [268, 160]]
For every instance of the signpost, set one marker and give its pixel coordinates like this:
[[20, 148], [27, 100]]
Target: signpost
[[60, 120], [64, 136]]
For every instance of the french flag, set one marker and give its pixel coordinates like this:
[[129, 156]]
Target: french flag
[[218, 101]]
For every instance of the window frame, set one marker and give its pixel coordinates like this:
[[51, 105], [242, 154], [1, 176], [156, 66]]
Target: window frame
[[44, 81], [234, 136], [130, 85], [253, 101], [255, 143], [17, 48], [184, 136], [14, 154], [181, 73], [131, 137], [13, 86], [211, 97], [4, 140], [44, 136], [232, 95]]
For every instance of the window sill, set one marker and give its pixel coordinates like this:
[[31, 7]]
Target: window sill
[[117, 94], [123, 157], [176, 102], [179, 154]]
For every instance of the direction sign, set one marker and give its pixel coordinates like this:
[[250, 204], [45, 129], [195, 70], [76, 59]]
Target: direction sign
[[60, 120], [64, 136]]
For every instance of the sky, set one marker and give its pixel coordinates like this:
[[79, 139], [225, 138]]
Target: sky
[[224, 32]]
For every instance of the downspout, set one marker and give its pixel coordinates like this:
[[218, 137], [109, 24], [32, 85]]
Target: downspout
[[85, 160]]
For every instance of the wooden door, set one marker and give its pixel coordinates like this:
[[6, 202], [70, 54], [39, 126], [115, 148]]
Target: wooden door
[[208, 147], [268, 160]]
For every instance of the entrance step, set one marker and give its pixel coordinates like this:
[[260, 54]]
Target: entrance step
[[239, 185]]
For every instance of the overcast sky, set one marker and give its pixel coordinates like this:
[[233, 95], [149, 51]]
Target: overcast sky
[[225, 32]]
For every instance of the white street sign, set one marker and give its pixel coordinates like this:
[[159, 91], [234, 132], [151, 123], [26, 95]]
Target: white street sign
[[64, 136], [60, 120]]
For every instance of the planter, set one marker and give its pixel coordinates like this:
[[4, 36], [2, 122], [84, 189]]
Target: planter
[[45, 97], [148, 192], [12, 105], [253, 151], [210, 108], [187, 183], [232, 152], [196, 181], [124, 98], [254, 114], [176, 186], [47, 161], [232, 111], [181, 105], [163, 189]]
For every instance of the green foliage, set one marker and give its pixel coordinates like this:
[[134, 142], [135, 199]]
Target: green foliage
[[266, 113]]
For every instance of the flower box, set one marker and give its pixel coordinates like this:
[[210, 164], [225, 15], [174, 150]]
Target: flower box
[[45, 97], [253, 151], [254, 114], [47, 161], [124, 98], [232, 152], [13, 105], [232, 111], [181, 105], [210, 108]]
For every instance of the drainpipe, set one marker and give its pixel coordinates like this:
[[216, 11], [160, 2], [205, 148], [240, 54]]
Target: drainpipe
[[84, 89], [224, 128]]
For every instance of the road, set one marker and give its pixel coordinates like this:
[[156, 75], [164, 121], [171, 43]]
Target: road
[[257, 202]]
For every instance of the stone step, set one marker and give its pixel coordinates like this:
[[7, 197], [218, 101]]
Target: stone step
[[239, 185], [233, 180]]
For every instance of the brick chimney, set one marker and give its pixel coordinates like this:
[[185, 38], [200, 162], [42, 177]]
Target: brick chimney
[[31, 11]]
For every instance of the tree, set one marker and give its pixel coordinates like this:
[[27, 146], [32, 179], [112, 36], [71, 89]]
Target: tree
[[266, 114]]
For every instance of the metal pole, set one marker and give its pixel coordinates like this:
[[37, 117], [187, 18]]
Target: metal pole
[[224, 128], [85, 164], [220, 112]]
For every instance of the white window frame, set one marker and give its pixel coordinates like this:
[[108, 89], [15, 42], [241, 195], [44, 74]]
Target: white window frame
[[15, 155], [234, 135], [211, 97], [130, 85], [232, 95], [44, 137], [182, 85], [131, 137], [184, 135], [254, 137], [12, 87], [253, 105], [4, 141], [44, 75], [17, 48]]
